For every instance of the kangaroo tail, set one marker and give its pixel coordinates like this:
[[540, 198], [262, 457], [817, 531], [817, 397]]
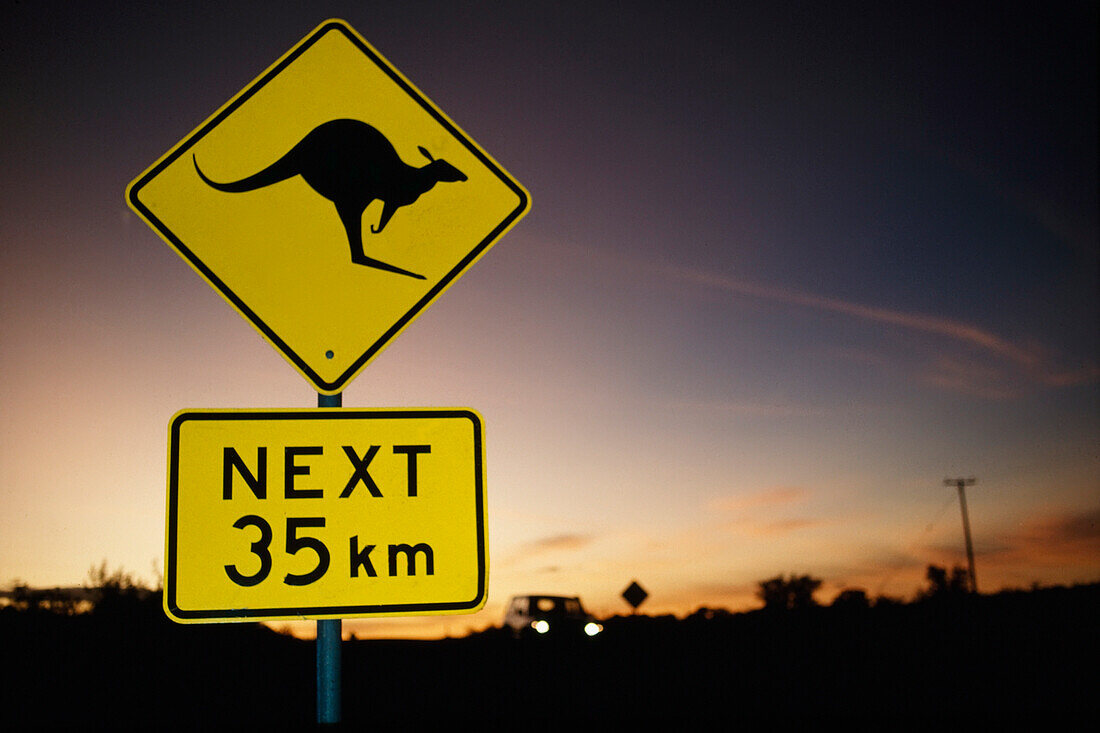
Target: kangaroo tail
[[280, 170]]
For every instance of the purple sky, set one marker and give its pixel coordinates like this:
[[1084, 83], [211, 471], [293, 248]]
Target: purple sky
[[788, 266]]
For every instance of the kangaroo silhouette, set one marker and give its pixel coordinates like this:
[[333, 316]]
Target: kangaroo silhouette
[[351, 164]]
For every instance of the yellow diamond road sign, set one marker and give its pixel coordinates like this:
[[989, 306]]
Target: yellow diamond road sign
[[329, 202], [283, 514]]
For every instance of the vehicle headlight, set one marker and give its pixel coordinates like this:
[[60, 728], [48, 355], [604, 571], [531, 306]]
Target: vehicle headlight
[[541, 626], [592, 628]]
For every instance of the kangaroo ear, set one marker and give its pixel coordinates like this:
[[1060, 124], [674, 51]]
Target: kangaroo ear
[[425, 153]]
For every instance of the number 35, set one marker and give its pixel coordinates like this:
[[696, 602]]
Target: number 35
[[294, 543]]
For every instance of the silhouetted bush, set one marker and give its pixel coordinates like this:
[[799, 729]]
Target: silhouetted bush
[[119, 595], [788, 594], [58, 601], [1018, 653]]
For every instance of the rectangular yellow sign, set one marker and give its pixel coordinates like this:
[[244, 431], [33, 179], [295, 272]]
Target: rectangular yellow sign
[[326, 513]]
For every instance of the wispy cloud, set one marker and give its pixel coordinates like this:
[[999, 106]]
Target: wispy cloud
[[557, 543], [745, 512], [988, 365], [971, 377], [947, 327], [1057, 539], [545, 555], [776, 496], [948, 372], [750, 409], [779, 527]]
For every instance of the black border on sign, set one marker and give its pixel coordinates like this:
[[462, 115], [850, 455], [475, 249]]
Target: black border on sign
[[260, 614], [337, 384]]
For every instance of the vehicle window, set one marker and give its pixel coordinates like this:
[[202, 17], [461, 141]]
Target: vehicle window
[[547, 604]]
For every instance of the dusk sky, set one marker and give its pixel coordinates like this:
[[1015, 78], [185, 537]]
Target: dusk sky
[[788, 266]]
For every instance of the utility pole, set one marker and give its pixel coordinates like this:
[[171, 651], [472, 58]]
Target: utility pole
[[960, 484]]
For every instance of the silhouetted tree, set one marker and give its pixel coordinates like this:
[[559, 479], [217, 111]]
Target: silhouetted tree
[[943, 584], [788, 594], [851, 598]]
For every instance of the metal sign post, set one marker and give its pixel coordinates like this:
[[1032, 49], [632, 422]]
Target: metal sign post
[[328, 670], [329, 636]]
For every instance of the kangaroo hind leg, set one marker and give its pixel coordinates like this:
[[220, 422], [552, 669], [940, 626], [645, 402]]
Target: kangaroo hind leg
[[351, 216]]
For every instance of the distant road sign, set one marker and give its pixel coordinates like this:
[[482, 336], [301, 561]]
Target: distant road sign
[[288, 514], [634, 594], [330, 202]]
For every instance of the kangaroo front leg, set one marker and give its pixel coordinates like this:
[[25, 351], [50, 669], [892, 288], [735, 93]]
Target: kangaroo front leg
[[387, 212]]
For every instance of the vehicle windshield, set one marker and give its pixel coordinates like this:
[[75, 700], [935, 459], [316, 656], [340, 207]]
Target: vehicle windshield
[[549, 606]]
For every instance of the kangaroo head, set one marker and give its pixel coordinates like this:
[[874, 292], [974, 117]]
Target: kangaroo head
[[441, 170]]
